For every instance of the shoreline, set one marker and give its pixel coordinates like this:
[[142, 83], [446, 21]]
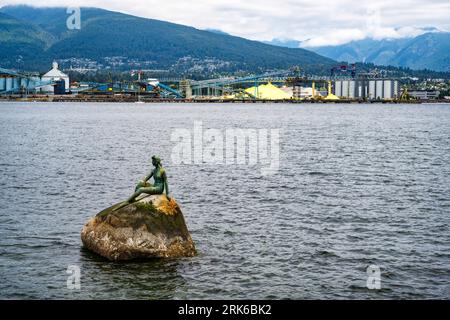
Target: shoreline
[[133, 99]]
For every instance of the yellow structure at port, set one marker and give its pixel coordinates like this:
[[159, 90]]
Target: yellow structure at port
[[330, 95], [267, 92]]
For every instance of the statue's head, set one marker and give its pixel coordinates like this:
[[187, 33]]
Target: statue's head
[[156, 161]]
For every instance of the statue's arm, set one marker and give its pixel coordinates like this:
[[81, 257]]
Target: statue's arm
[[166, 184], [148, 177]]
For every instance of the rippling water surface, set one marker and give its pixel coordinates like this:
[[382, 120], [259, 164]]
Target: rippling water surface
[[358, 185]]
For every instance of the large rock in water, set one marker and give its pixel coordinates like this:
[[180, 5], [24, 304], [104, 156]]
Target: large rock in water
[[152, 227]]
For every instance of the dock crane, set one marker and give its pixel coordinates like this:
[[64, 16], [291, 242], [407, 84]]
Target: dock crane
[[405, 95], [343, 69]]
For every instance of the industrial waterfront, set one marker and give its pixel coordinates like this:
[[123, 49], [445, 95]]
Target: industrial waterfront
[[344, 85]]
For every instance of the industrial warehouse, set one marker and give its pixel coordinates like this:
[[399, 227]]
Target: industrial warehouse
[[342, 86]]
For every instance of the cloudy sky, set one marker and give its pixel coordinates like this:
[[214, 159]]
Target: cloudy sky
[[317, 22]]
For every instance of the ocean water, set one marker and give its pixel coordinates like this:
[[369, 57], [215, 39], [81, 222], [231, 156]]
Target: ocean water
[[358, 185]]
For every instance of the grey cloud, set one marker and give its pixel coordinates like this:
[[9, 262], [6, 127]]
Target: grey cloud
[[321, 21]]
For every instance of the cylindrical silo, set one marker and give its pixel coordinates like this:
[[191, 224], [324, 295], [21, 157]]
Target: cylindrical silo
[[338, 88], [379, 89], [372, 90], [351, 89], [345, 88], [359, 90], [388, 89], [2, 84], [9, 84], [16, 83]]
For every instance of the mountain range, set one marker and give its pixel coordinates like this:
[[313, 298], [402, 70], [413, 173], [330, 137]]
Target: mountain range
[[31, 37], [430, 50]]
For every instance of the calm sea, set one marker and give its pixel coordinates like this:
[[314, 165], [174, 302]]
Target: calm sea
[[358, 185]]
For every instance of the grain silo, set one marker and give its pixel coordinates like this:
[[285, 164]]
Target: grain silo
[[367, 89]]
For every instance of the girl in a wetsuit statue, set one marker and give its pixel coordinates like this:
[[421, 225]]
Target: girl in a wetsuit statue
[[159, 175]]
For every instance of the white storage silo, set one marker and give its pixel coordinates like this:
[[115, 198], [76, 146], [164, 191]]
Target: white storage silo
[[379, 89], [338, 88], [345, 87], [372, 89], [351, 89], [388, 89], [360, 90]]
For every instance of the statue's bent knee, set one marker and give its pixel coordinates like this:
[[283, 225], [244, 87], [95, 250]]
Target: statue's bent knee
[[141, 185], [141, 190]]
